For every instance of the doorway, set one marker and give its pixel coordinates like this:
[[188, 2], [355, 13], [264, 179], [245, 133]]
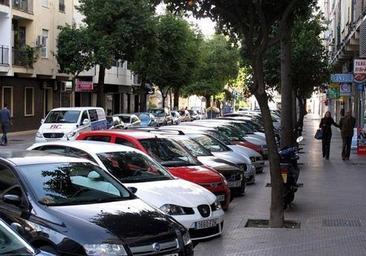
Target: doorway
[[48, 100]]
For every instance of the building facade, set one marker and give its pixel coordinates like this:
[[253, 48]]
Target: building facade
[[30, 81], [346, 42]]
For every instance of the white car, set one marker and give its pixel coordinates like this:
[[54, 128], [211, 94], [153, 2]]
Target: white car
[[192, 205]]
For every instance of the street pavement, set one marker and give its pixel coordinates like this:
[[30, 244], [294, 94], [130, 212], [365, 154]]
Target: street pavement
[[331, 207]]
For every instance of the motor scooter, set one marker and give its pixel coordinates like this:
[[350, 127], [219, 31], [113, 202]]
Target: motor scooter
[[290, 171]]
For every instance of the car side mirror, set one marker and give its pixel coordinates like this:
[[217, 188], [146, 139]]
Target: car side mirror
[[12, 199], [86, 121], [42, 120], [132, 189]]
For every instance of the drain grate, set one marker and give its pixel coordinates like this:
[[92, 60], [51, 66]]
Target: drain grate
[[260, 223], [340, 223]]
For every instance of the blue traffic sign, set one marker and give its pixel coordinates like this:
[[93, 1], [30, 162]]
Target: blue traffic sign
[[341, 78]]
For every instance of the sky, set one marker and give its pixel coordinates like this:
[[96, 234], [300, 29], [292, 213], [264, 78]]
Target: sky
[[206, 26]]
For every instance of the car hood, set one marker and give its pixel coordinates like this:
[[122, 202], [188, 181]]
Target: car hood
[[196, 174], [244, 151], [218, 164], [56, 128], [131, 221], [255, 140], [232, 157], [178, 192]]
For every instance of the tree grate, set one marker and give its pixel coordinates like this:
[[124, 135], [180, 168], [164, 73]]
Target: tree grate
[[260, 223], [340, 223]]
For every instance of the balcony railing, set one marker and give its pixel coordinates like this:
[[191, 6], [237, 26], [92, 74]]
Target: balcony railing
[[4, 2], [24, 56], [23, 5], [4, 55]]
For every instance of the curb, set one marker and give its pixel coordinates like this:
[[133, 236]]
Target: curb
[[22, 133]]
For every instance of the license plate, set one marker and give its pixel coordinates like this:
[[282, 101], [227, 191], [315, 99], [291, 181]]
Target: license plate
[[234, 184], [172, 254], [206, 224], [221, 198]]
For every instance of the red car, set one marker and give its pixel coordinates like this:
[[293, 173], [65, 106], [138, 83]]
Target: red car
[[169, 154]]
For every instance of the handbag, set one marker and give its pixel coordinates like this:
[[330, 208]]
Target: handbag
[[319, 134]]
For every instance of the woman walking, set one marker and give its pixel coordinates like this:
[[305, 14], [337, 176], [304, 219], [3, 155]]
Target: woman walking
[[326, 126]]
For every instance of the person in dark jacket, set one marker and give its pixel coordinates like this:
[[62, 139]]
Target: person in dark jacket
[[326, 126], [347, 124], [5, 120]]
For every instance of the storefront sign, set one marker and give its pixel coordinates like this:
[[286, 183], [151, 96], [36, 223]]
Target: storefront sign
[[341, 78], [333, 91], [359, 66], [83, 86], [360, 78], [345, 89]]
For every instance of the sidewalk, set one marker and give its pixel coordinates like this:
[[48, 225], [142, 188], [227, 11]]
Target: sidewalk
[[331, 207]]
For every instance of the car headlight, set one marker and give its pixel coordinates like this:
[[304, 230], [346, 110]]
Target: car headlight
[[186, 238], [39, 135], [217, 205], [71, 135], [172, 209], [105, 249], [223, 179]]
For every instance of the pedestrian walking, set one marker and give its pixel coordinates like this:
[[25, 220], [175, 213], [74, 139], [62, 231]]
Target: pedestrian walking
[[347, 124], [5, 120], [326, 126]]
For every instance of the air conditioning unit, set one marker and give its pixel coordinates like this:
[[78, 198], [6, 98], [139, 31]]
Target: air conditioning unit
[[66, 86]]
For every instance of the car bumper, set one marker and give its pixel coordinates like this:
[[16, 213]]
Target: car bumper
[[259, 166], [193, 222]]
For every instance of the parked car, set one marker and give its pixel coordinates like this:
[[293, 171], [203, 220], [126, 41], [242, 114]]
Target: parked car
[[255, 158], [163, 116], [191, 205], [172, 156], [185, 116], [129, 120], [67, 123], [114, 122], [194, 115], [70, 206], [147, 119], [176, 117], [12, 244], [234, 176]]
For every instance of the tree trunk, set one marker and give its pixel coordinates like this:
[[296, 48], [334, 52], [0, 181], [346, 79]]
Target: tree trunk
[[143, 97], [176, 98], [170, 99], [208, 101], [302, 113], [286, 88], [100, 89], [276, 211]]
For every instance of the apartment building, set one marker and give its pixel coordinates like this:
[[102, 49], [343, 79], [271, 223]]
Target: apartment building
[[345, 39], [30, 82]]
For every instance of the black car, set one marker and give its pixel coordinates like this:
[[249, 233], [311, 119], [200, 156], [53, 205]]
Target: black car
[[69, 206]]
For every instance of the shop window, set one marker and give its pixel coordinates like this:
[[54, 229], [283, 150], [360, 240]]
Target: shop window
[[29, 101], [7, 98]]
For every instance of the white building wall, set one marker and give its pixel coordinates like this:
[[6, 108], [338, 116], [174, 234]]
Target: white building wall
[[5, 36]]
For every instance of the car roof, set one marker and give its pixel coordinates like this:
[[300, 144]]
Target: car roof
[[25, 157], [127, 133], [75, 108], [188, 128], [89, 146]]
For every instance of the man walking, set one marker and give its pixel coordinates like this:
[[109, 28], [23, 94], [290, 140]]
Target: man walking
[[347, 124], [5, 124]]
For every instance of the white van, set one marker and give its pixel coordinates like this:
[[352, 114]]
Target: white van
[[67, 123]]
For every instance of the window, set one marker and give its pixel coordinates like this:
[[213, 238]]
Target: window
[[44, 43], [99, 138], [7, 98], [61, 6], [29, 101], [84, 116], [45, 3], [7, 179], [124, 142], [74, 152], [53, 149], [93, 115]]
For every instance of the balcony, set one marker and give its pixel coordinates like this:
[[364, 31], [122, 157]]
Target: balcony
[[23, 5], [4, 2], [24, 57]]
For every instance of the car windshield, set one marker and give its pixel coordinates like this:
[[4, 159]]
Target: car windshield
[[63, 116], [158, 112], [133, 167], [168, 153], [221, 137], [193, 147], [72, 183], [12, 244], [125, 119], [210, 143]]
